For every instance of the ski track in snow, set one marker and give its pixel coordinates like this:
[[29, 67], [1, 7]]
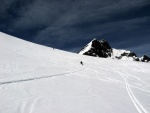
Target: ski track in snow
[[37, 78], [68, 96], [134, 100], [28, 107], [108, 79], [146, 84]]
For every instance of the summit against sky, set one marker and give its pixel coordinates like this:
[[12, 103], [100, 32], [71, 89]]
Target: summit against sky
[[70, 24]]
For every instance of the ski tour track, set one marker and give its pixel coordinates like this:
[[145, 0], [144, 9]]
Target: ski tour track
[[134, 100], [41, 77]]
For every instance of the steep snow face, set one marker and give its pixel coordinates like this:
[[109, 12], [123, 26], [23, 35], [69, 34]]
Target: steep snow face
[[102, 49], [86, 48], [38, 79]]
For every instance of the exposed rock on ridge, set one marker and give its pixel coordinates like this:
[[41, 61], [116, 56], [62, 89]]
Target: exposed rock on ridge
[[97, 48], [103, 49]]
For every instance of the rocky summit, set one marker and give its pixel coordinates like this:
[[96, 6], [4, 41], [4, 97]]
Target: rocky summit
[[101, 48], [97, 48]]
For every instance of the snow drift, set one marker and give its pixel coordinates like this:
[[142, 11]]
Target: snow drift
[[39, 79]]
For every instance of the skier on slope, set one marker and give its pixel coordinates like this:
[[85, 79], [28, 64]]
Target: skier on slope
[[81, 62]]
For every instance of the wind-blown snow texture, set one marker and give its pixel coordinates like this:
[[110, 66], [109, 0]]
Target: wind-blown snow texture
[[38, 79], [102, 49]]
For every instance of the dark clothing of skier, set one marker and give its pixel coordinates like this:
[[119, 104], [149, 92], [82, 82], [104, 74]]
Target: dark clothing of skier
[[81, 62]]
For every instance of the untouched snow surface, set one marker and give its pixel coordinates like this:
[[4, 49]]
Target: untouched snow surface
[[38, 79]]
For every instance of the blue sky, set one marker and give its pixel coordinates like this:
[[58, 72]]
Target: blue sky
[[71, 24]]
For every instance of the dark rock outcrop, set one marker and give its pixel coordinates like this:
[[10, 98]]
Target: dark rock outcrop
[[145, 59], [99, 48], [129, 54], [103, 49]]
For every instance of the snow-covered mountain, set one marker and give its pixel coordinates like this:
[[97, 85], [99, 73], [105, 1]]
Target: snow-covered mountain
[[102, 49], [39, 79]]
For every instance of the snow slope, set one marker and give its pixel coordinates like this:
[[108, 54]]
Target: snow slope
[[38, 79]]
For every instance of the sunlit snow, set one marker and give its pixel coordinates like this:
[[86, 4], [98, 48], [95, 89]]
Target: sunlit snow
[[39, 79]]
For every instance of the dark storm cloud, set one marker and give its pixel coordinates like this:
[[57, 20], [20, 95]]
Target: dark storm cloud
[[70, 24]]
